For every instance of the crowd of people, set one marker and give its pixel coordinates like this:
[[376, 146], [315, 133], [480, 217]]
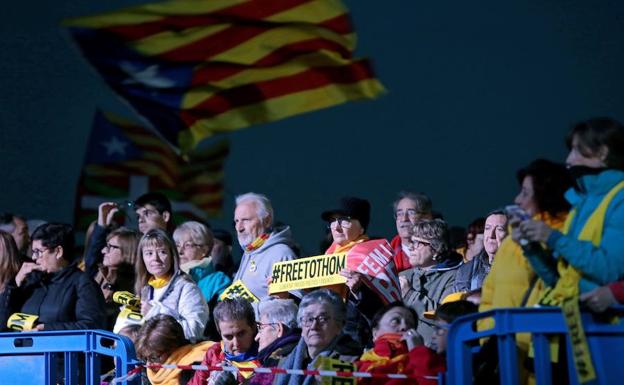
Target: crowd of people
[[162, 285]]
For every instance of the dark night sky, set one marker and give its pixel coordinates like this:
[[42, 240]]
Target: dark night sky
[[475, 91]]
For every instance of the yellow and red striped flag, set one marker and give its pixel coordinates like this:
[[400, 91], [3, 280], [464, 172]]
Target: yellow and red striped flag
[[197, 67], [125, 160]]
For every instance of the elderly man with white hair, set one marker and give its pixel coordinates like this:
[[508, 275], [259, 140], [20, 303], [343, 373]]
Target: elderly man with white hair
[[278, 334], [262, 244]]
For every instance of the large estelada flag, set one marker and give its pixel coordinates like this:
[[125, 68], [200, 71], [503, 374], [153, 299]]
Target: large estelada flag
[[124, 160], [196, 67]]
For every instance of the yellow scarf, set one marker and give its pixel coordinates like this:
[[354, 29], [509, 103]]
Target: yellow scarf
[[568, 284], [158, 283], [185, 355], [566, 292]]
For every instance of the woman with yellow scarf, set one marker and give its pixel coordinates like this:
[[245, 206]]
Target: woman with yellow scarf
[[166, 289]]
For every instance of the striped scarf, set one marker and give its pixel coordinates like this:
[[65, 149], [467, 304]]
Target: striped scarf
[[257, 243]]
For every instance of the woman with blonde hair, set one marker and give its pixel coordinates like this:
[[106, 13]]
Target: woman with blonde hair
[[9, 266], [165, 289]]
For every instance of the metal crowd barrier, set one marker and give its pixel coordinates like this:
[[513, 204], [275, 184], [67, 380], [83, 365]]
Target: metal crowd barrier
[[63, 357], [605, 341]]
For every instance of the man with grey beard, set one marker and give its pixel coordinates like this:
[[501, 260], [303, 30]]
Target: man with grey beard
[[262, 244]]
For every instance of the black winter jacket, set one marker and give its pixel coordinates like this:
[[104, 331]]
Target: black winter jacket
[[66, 300]]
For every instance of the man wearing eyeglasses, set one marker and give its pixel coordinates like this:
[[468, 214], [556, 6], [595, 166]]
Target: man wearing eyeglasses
[[408, 209], [277, 336]]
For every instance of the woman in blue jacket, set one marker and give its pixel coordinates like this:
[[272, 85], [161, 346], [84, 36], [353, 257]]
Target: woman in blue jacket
[[591, 241]]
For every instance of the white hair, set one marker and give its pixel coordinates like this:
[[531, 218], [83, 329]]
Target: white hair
[[263, 205], [200, 234], [283, 311]]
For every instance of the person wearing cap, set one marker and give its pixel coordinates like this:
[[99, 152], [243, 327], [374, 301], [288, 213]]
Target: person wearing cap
[[408, 209], [432, 276], [454, 306], [348, 223], [263, 245]]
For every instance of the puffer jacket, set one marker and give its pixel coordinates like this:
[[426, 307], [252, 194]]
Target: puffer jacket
[[183, 300]]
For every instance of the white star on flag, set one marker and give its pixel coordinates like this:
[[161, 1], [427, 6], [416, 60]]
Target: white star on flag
[[115, 145]]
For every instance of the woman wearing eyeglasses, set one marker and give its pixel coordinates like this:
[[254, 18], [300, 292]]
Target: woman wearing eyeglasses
[[348, 224], [165, 288], [111, 257], [321, 316], [432, 275], [194, 242], [54, 289]]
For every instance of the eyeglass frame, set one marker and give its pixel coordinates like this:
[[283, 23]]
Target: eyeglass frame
[[260, 326], [308, 321], [417, 243], [188, 245], [344, 222], [411, 213], [108, 247], [438, 328], [37, 253]]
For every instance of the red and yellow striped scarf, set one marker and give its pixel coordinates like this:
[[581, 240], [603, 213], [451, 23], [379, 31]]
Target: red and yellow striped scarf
[[257, 243]]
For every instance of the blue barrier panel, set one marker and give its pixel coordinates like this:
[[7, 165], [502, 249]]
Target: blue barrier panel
[[73, 356], [605, 340]]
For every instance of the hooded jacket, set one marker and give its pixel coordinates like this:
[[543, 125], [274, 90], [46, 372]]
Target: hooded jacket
[[427, 288], [277, 248], [599, 265]]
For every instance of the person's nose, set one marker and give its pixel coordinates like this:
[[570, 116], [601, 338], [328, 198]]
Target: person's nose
[[257, 337], [403, 327], [570, 159], [492, 234]]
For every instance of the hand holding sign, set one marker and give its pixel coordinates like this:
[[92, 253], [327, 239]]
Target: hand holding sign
[[354, 279], [373, 260]]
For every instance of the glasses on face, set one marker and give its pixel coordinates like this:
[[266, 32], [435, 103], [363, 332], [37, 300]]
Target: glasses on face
[[261, 325], [440, 328], [417, 243], [411, 213], [308, 321], [187, 245], [344, 222], [110, 247], [36, 253], [146, 213]]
